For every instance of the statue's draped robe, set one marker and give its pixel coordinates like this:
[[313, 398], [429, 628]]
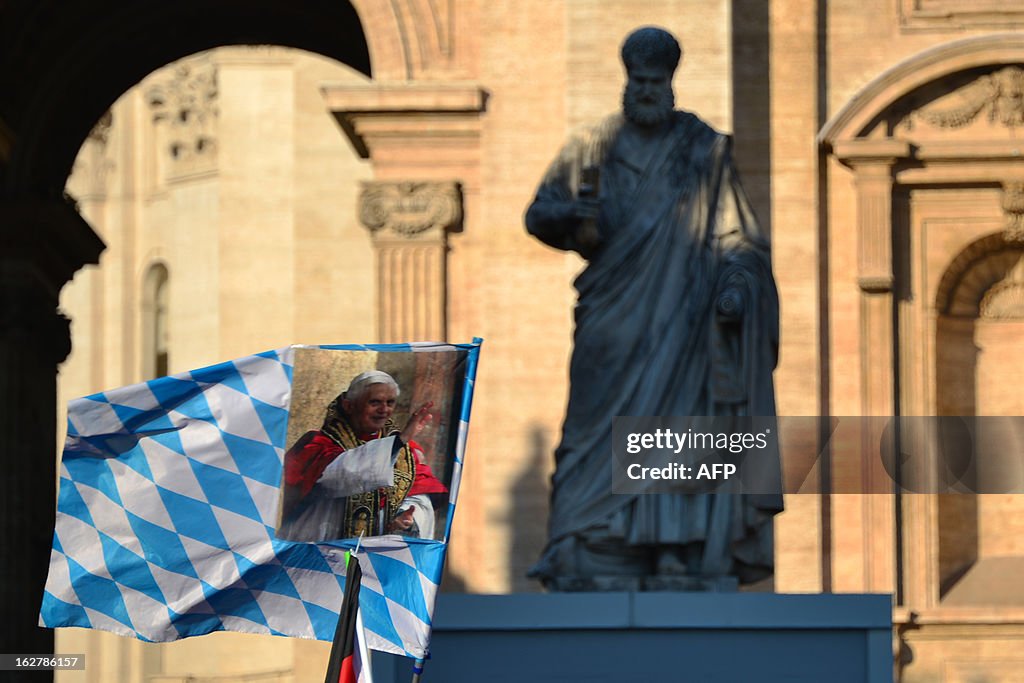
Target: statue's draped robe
[[648, 340]]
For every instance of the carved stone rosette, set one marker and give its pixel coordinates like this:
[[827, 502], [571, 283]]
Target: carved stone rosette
[[409, 223]]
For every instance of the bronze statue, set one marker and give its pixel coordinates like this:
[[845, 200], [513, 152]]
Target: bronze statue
[[677, 315]]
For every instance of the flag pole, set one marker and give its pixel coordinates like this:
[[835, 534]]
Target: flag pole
[[339, 668], [417, 670]]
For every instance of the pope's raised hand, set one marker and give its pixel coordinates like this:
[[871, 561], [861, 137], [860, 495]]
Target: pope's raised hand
[[417, 421]]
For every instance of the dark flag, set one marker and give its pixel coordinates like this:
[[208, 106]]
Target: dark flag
[[349, 662]]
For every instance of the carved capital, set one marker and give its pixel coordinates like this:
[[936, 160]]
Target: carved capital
[[410, 210]]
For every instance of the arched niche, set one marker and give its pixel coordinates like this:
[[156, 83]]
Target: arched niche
[[930, 161], [979, 332]]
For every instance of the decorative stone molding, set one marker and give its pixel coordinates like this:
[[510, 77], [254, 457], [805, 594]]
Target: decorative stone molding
[[42, 244], [409, 123], [864, 111], [51, 237], [1005, 299], [408, 209], [1000, 93], [185, 111], [1013, 207], [946, 15]]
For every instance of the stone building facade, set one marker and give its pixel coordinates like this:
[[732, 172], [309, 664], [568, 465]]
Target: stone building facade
[[370, 186]]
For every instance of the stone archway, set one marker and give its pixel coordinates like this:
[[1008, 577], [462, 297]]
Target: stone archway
[[61, 65]]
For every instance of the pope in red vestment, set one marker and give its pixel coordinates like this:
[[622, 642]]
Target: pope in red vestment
[[359, 475]]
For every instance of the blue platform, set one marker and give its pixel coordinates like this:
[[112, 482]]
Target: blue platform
[[624, 637]]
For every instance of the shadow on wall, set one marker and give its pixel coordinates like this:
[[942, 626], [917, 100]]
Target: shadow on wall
[[528, 518], [752, 104]]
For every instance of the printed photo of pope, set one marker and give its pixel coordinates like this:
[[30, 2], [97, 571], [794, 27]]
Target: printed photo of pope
[[360, 474]]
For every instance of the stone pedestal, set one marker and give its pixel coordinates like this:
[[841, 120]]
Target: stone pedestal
[[711, 638]]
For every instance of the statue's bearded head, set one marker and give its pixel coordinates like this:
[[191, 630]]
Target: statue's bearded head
[[650, 56]]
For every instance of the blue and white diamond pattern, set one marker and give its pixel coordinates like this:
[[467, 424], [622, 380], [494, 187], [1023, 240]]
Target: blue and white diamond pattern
[[166, 512]]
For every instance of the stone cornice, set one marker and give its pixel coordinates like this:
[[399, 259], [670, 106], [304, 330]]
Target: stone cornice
[[420, 112], [883, 152]]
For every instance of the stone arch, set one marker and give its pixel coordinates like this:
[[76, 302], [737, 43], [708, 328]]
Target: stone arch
[[855, 118], [981, 276], [62, 64], [84, 61], [407, 37], [67, 64]]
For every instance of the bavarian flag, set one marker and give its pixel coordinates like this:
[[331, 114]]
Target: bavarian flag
[[349, 662], [172, 491]]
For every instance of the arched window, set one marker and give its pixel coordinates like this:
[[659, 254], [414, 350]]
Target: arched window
[[155, 347]]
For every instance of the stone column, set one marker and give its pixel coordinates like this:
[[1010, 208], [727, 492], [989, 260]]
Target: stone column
[[423, 140], [872, 162], [42, 244], [409, 223]]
